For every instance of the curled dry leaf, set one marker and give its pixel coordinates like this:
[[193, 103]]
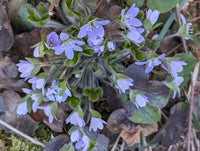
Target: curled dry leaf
[[134, 137], [8, 76], [56, 143], [25, 41], [23, 123], [61, 115], [118, 121], [108, 11], [6, 32], [174, 127]]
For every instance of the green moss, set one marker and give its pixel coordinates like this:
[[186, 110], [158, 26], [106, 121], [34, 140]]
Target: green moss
[[43, 133], [11, 142]]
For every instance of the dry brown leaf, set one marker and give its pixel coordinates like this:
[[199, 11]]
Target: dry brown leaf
[[134, 137], [6, 32], [8, 76], [23, 123]]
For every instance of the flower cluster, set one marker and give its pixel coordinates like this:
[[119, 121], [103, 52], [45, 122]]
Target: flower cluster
[[132, 23]]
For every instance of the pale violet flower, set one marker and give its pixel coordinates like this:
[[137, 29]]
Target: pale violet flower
[[25, 67], [135, 36], [36, 83], [47, 111], [22, 108], [75, 119], [75, 136], [36, 52], [188, 25], [98, 41], [83, 143], [52, 40], [96, 123], [99, 50], [152, 16], [93, 29], [53, 93], [141, 100], [176, 66], [124, 84], [111, 45], [151, 63], [177, 81], [68, 46], [35, 106], [129, 19]]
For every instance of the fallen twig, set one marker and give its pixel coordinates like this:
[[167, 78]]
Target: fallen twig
[[193, 77], [180, 23], [34, 141]]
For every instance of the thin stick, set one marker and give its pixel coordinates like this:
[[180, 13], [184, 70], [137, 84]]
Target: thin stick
[[34, 141], [50, 11], [179, 23], [144, 142], [122, 147], [190, 113], [116, 142]]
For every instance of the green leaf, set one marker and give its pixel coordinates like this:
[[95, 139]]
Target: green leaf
[[87, 91], [42, 75], [74, 101], [171, 86], [121, 76], [139, 55], [162, 5], [42, 8], [93, 96], [95, 114], [22, 100], [35, 70], [143, 115], [54, 107], [71, 63], [67, 147], [88, 52], [98, 91], [29, 104], [156, 25], [33, 61], [63, 87], [138, 3], [112, 58], [40, 99], [147, 25], [191, 61]]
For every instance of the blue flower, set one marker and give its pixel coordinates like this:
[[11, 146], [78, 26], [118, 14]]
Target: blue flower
[[52, 40], [141, 100], [152, 16], [151, 63], [129, 19], [75, 119], [93, 29], [135, 36], [96, 123], [176, 66], [98, 50], [53, 93], [83, 143], [47, 111], [68, 46], [22, 108], [75, 136], [36, 83], [188, 25], [111, 45], [25, 67], [123, 84], [177, 81]]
